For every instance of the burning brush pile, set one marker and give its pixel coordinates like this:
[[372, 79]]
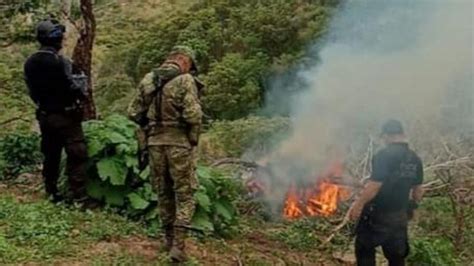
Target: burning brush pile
[[313, 195]]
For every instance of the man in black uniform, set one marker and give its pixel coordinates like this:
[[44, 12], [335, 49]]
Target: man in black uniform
[[57, 96], [388, 200]]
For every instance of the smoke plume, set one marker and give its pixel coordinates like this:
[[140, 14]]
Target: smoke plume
[[402, 59]]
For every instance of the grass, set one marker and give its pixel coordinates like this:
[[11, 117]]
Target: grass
[[41, 231], [32, 230]]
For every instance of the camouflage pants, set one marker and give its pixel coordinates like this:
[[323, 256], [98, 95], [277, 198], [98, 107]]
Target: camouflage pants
[[173, 177]]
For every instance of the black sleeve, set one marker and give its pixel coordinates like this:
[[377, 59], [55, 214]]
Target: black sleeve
[[380, 170], [419, 172], [33, 94]]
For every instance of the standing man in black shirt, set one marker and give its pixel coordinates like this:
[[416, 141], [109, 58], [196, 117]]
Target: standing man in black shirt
[[388, 199], [57, 96]]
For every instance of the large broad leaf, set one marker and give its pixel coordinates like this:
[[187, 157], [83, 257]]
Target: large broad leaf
[[204, 172], [131, 161], [224, 209], [203, 200], [114, 195], [202, 221], [114, 169], [94, 189], [115, 137], [94, 146], [145, 174], [152, 214], [137, 202]]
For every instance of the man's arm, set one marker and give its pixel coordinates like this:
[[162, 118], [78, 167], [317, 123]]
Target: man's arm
[[138, 107], [371, 189], [380, 173], [417, 193], [417, 189], [192, 112]]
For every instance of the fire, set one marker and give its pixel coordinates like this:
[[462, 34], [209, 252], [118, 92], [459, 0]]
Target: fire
[[321, 200], [292, 209]]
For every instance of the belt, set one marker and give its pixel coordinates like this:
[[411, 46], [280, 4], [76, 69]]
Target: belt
[[167, 125], [57, 111]]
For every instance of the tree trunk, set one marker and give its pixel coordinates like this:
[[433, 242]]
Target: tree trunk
[[71, 30], [82, 54]]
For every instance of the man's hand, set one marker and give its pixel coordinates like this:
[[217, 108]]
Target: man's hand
[[368, 193], [355, 211]]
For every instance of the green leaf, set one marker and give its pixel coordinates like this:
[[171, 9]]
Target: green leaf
[[114, 169], [114, 196], [94, 189], [145, 174], [115, 138], [137, 202], [152, 214], [203, 200], [131, 161], [224, 209], [94, 146], [202, 221], [204, 172]]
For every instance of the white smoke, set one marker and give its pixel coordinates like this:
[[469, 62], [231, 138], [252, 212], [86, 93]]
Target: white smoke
[[408, 60]]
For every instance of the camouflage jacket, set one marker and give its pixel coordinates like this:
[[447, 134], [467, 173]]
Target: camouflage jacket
[[180, 111]]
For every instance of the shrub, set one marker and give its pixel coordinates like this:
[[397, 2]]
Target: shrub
[[255, 135], [19, 153], [233, 87], [116, 179], [432, 252]]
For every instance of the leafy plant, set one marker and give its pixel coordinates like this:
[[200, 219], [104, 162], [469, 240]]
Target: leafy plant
[[116, 179], [253, 134], [113, 168], [19, 153], [432, 252], [40, 231], [215, 210]]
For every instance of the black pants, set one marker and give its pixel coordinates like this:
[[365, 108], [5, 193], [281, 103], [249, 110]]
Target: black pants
[[63, 131], [394, 242]]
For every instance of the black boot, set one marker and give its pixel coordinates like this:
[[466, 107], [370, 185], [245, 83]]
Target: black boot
[[177, 252], [168, 239]]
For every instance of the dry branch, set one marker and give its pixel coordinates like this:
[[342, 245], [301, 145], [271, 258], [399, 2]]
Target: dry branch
[[13, 119], [336, 229], [236, 161]]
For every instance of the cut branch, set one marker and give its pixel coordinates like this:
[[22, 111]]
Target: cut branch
[[237, 161], [13, 119]]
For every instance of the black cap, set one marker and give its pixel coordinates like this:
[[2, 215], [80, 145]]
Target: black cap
[[392, 127], [50, 30]]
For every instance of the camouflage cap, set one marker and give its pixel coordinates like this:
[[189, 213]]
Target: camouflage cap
[[185, 50]]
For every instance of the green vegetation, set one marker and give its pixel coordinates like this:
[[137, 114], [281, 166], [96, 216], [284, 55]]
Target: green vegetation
[[41, 231], [19, 154], [254, 133], [116, 180], [240, 44]]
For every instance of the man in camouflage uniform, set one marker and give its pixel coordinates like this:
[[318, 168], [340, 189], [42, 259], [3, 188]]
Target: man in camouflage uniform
[[167, 105]]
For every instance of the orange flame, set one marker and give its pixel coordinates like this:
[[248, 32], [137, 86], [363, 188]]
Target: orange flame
[[320, 200], [292, 209]]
